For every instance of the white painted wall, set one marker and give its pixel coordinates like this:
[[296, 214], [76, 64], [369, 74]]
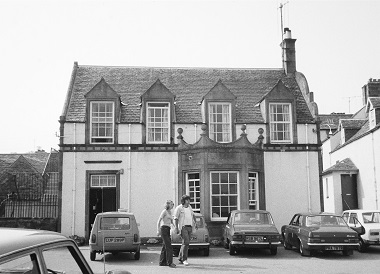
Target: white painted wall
[[286, 184], [307, 134], [329, 196], [130, 134], [74, 133]]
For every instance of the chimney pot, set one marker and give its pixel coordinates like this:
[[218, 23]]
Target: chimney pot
[[288, 33]]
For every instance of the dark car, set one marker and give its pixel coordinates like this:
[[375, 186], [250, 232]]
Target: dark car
[[115, 232], [39, 251], [199, 239], [310, 232], [250, 229]]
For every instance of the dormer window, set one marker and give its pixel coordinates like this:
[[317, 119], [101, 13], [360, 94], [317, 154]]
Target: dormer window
[[280, 121], [220, 122], [158, 122], [102, 122]]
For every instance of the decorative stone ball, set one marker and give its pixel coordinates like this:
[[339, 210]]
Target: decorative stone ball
[[243, 127], [261, 131], [179, 130], [204, 127]]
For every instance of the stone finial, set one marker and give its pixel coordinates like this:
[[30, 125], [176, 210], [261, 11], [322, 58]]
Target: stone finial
[[243, 128], [180, 131], [204, 129], [261, 137]]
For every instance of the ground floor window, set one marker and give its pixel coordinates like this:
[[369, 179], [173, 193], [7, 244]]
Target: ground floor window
[[193, 189], [224, 194], [253, 190], [107, 180]]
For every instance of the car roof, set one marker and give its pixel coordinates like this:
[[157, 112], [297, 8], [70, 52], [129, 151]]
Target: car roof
[[17, 239], [362, 210], [249, 211], [116, 214], [317, 213]]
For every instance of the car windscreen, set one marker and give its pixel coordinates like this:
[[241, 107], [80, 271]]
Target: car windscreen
[[325, 220], [371, 217], [253, 218], [115, 223]]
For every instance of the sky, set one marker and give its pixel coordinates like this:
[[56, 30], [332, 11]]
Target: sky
[[337, 49]]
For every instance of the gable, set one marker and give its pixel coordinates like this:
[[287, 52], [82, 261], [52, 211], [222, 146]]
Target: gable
[[102, 90], [158, 91], [219, 92], [279, 92]]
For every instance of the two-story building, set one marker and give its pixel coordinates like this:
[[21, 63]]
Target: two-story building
[[351, 157], [133, 137]]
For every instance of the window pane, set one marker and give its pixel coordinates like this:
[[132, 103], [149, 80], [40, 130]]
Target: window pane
[[220, 122], [280, 122], [53, 259]]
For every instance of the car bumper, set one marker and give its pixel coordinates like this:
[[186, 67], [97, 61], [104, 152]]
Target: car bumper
[[192, 245], [119, 248], [332, 246], [371, 242], [240, 244]]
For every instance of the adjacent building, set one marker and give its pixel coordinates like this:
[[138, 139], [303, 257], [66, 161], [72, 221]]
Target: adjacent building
[[133, 137]]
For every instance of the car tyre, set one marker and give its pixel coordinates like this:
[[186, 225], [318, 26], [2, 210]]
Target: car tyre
[[362, 246], [304, 252], [206, 251], [92, 255], [286, 245], [232, 249], [137, 254], [273, 250]]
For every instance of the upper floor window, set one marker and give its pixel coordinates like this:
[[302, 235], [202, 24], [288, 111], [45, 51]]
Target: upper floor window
[[158, 122], [220, 122], [102, 122], [280, 122]]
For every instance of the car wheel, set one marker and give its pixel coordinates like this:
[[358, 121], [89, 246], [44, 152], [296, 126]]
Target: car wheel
[[273, 250], [347, 252], [287, 246], [137, 255], [303, 251], [232, 249], [206, 251], [92, 255], [362, 246]]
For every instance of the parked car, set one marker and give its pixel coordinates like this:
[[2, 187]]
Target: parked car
[[310, 232], [370, 220], [115, 232], [199, 239], [39, 251], [250, 229]]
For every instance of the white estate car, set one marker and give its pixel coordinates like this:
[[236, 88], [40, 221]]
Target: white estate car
[[370, 219]]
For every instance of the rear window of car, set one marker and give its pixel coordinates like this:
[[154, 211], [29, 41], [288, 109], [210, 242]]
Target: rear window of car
[[115, 223], [371, 217], [325, 220], [253, 218]]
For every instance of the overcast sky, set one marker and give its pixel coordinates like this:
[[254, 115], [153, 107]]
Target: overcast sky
[[337, 49]]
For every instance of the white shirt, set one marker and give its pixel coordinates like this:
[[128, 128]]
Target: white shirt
[[188, 217]]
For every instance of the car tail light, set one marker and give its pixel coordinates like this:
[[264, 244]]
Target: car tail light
[[237, 237], [374, 233], [135, 238], [314, 240], [93, 238], [206, 238]]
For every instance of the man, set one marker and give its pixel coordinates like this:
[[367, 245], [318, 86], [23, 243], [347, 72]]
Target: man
[[184, 221]]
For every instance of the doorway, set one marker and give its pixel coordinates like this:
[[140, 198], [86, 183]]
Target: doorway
[[349, 191]]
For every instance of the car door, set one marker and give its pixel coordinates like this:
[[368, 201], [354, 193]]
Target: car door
[[294, 228], [228, 228]]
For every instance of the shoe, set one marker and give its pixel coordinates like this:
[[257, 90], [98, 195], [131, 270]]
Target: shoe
[[162, 264], [180, 261], [172, 266], [185, 263]]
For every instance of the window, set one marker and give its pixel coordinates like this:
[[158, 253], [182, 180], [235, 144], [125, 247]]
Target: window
[[224, 194], [23, 264], [253, 191], [194, 191], [280, 123], [220, 122], [71, 263], [102, 122], [158, 122], [103, 180]]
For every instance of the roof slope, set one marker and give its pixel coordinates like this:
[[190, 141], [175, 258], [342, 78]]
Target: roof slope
[[332, 120], [37, 160], [344, 165], [189, 85]]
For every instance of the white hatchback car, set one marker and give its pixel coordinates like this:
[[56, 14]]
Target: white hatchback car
[[370, 219]]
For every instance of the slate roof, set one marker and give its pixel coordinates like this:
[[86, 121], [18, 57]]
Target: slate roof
[[332, 120], [375, 101], [189, 85], [344, 165], [352, 123], [36, 160]]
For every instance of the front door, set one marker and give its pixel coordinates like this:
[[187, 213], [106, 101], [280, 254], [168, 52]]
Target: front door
[[349, 191]]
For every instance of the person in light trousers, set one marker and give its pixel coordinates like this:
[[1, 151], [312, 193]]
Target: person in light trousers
[[184, 222], [163, 228]]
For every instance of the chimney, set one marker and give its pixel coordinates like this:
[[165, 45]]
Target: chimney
[[371, 89], [288, 52]]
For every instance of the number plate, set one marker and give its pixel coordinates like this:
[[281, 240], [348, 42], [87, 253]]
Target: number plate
[[193, 238], [254, 238], [114, 240], [334, 247]]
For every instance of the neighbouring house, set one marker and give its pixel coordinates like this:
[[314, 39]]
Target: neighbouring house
[[351, 157], [133, 137], [29, 186], [329, 123]]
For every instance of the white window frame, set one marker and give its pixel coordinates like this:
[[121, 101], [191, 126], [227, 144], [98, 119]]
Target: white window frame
[[193, 189], [107, 120], [226, 125], [149, 106], [224, 195], [253, 190], [105, 177], [273, 123]]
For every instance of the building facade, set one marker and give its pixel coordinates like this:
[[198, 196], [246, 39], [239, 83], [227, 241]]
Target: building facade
[[133, 137]]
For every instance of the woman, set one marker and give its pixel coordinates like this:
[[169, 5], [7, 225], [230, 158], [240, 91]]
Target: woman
[[163, 228]]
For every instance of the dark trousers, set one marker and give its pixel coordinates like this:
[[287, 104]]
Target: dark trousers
[[185, 234], [166, 257]]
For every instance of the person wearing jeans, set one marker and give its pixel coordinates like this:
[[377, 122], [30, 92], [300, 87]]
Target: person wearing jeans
[[184, 221], [163, 228]]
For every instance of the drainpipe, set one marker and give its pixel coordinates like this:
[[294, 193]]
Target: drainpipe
[[74, 182], [374, 170], [195, 133], [129, 170], [308, 169]]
